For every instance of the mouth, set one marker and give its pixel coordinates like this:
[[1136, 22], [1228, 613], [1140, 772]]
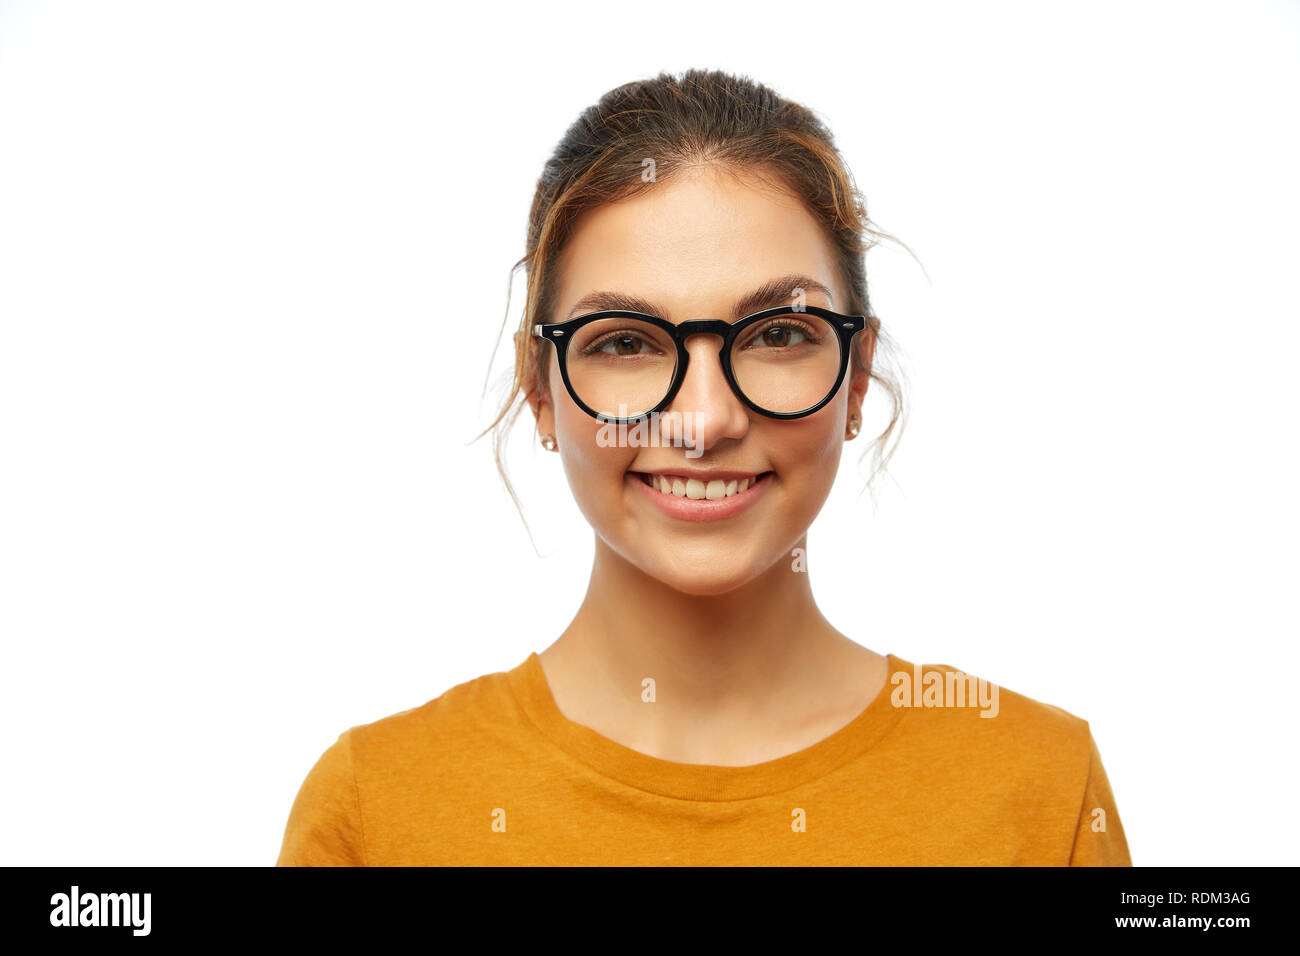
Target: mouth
[[703, 488]]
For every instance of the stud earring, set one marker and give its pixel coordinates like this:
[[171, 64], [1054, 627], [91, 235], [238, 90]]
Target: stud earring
[[854, 426], [548, 442]]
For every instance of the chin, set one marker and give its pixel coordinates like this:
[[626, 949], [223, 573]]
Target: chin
[[706, 580]]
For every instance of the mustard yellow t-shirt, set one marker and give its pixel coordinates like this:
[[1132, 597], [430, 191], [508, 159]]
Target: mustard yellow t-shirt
[[492, 773]]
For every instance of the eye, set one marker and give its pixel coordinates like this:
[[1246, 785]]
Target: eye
[[781, 333], [619, 344]]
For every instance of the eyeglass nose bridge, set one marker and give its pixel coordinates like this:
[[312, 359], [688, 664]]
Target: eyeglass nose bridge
[[683, 330]]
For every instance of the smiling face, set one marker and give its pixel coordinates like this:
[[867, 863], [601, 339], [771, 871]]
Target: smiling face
[[698, 245]]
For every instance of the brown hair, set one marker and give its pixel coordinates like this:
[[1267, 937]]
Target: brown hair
[[701, 117]]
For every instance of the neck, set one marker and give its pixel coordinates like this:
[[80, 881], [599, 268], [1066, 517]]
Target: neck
[[761, 657]]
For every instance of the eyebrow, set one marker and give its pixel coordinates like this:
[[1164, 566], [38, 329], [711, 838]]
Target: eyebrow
[[768, 295]]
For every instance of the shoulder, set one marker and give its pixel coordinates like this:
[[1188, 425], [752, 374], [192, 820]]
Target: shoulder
[[955, 713], [371, 792], [463, 719], [1012, 771]]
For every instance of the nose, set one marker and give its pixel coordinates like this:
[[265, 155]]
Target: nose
[[710, 410]]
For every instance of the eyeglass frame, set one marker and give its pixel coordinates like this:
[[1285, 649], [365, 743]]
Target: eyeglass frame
[[559, 333]]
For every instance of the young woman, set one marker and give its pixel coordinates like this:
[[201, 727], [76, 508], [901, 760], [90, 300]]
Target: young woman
[[700, 709]]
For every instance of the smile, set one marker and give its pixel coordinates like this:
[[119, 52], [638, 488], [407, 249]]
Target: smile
[[688, 498], [680, 486]]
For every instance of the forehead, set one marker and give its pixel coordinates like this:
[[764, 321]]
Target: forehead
[[693, 244]]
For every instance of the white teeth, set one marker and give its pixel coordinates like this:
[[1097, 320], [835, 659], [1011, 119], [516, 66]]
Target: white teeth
[[695, 488]]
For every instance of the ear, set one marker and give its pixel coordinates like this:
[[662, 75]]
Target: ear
[[538, 399], [864, 346]]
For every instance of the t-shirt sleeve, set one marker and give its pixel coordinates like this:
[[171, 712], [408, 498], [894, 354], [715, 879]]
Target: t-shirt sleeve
[[324, 827], [1099, 838]]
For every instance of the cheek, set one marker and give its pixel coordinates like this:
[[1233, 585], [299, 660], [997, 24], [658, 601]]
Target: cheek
[[807, 451], [594, 471]]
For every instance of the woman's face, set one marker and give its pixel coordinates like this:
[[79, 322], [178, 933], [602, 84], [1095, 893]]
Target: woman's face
[[694, 246]]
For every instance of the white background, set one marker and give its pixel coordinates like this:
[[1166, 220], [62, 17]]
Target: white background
[[254, 260]]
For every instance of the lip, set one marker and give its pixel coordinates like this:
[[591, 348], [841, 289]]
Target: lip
[[704, 476], [703, 509]]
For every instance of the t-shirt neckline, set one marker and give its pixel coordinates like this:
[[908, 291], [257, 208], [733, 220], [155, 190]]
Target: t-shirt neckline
[[702, 781]]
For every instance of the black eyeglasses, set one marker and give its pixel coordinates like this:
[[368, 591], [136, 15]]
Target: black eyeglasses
[[622, 367]]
